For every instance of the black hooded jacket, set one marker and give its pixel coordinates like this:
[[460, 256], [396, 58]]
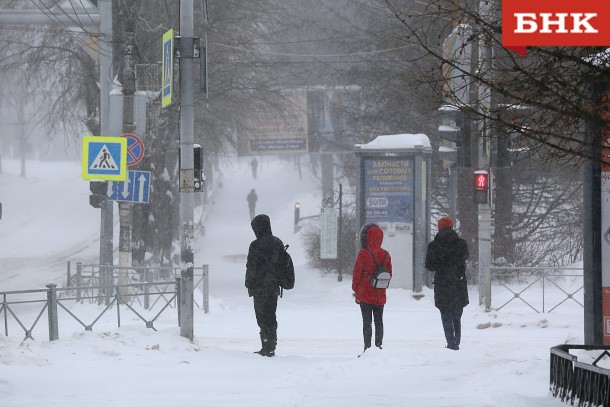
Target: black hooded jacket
[[263, 257], [446, 257]]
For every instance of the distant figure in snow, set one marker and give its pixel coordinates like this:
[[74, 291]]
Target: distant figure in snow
[[446, 257], [252, 198], [370, 299], [254, 165], [262, 265]]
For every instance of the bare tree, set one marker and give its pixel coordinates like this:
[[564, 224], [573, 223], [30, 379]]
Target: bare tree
[[554, 84], [391, 50], [541, 104]]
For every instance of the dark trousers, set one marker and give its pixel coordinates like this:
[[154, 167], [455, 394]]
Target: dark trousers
[[370, 313], [265, 307], [452, 325]]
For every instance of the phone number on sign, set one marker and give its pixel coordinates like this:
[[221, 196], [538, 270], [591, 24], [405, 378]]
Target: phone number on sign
[[376, 213]]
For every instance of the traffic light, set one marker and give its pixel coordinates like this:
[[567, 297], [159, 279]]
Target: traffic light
[[198, 165], [98, 189], [481, 186], [199, 175]]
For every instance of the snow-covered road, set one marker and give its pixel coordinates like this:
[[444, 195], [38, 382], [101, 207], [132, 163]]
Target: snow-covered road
[[503, 360]]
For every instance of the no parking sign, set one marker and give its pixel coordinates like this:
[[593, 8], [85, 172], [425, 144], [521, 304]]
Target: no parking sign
[[135, 149]]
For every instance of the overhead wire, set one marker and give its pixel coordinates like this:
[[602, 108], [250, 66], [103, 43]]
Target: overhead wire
[[85, 9], [78, 23], [68, 28], [284, 54]]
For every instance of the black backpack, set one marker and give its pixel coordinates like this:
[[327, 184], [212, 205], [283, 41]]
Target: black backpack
[[381, 276], [286, 270]]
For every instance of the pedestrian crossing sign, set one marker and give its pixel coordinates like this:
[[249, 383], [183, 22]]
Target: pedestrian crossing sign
[[167, 68], [104, 158]]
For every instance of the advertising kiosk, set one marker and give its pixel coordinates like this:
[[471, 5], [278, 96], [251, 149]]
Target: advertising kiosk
[[393, 192]]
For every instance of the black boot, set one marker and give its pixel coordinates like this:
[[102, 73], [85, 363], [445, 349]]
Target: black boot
[[267, 348], [272, 345], [263, 352]]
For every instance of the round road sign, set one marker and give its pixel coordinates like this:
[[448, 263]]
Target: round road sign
[[135, 149]]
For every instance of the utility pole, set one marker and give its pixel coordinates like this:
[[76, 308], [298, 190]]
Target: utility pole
[[596, 186], [482, 186], [106, 73], [129, 88], [482, 195], [186, 50]]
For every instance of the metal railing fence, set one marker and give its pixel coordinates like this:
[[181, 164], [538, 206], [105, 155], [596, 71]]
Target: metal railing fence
[[96, 281], [145, 292], [17, 305], [577, 382], [542, 289]]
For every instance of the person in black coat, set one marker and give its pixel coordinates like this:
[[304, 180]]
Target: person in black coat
[[262, 280], [446, 257], [252, 198]]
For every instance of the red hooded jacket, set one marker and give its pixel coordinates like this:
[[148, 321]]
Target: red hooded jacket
[[361, 284]]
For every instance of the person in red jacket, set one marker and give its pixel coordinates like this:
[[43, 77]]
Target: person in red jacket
[[371, 299]]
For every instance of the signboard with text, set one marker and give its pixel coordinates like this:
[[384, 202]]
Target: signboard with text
[[388, 190], [387, 199], [273, 130], [554, 23], [328, 233]]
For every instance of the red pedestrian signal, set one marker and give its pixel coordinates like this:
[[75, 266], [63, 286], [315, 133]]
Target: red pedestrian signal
[[481, 181], [481, 186]]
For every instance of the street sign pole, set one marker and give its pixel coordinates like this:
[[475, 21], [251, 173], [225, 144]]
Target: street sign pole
[[129, 89], [187, 190], [485, 255], [106, 76]]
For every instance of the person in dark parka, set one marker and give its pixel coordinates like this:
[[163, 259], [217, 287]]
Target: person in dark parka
[[446, 257], [252, 198], [262, 280], [370, 299]]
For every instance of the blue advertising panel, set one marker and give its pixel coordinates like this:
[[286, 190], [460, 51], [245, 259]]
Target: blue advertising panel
[[388, 190]]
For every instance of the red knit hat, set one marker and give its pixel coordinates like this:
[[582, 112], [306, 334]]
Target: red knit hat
[[445, 223]]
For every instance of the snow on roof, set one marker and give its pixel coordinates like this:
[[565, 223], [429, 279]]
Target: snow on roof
[[397, 141]]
